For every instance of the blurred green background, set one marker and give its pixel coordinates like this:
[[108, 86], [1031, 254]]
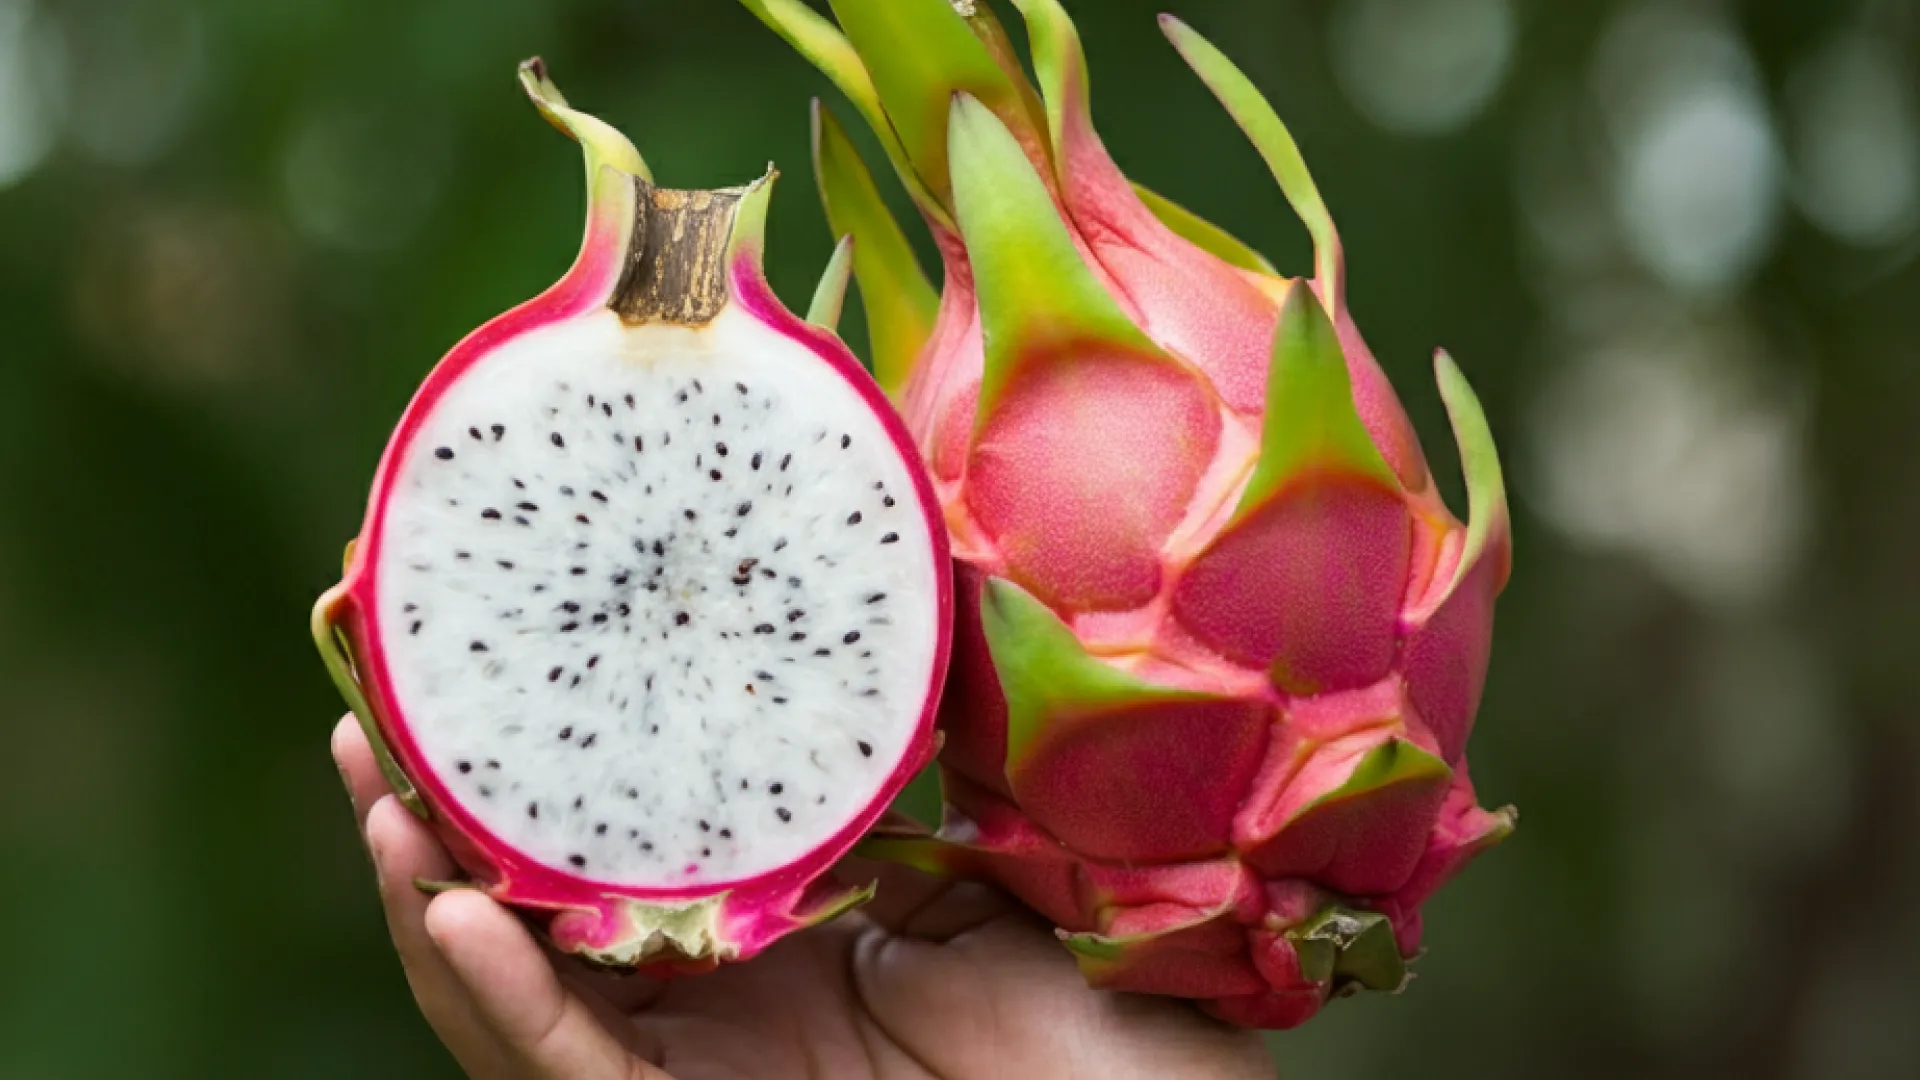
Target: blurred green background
[[1673, 244]]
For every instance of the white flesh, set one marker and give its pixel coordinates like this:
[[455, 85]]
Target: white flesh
[[613, 741]]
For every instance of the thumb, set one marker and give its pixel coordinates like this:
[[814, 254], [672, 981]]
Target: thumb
[[551, 1032]]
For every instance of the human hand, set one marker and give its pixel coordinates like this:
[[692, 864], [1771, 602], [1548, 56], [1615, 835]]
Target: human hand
[[930, 980]]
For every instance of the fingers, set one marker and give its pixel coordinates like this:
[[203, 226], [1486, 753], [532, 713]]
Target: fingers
[[404, 851], [542, 1026], [485, 1023], [1004, 998], [358, 769]]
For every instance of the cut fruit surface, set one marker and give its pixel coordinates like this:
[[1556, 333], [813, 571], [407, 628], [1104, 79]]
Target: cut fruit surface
[[650, 609]]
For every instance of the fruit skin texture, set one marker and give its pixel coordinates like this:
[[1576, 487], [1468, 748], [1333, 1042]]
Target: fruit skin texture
[[1220, 642], [662, 931]]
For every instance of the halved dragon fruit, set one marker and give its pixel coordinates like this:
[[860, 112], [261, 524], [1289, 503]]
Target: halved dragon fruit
[[650, 608]]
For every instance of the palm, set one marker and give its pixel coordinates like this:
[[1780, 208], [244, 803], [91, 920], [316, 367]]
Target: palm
[[929, 981]]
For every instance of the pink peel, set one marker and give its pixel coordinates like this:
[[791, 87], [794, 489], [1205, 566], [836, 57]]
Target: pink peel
[[1220, 643], [663, 926]]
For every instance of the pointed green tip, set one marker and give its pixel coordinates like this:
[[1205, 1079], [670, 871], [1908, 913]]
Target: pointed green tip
[[900, 302], [835, 905], [920, 53], [830, 295], [1036, 293], [822, 44], [1094, 947], [602, 142], [1311, 422], [1393, 762], [1487, 515], [1251, 110], [1047, 674], [337, 654], [1350, 946], [1204, 234]]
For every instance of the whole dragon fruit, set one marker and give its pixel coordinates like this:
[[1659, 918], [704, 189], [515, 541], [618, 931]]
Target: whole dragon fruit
[[651, 605], [1219, 641]]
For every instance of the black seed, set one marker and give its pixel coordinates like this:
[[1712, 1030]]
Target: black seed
[[876, 598], [866, 748], [410, 608], [569, 606], [780, 544], [567, 732], [578, 861], [529, 507], [629, 401], [599, 617], [518, 520], [716, 419], [600, 496], [463, 555], [890, 538], [797, 635], [445, 453], [681, 618], [533, 810], [785, 814], [720, 448], [588, 741], [554, 675], [478, 646], [578, 571], [823, 652], [852, 636], [492, 764], [557, 440], [567, 491], [796, 615], [704, 827], [846, 441], [633, 793], [415, 628], [490, 514], [621, 577], [582, 519], [853, 518], [744, 508], [763, 628], [600, 829], [756, 459], [579, 801], [568, 628], [592, 662], [505, 564], [659, 548], [785, 461], [689, 514], [464, 766], [499, 431], [606, 408], [777, 787], [713, 474]]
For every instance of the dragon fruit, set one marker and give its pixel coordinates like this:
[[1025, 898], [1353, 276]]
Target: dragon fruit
[[1219, 641], [651, 606]]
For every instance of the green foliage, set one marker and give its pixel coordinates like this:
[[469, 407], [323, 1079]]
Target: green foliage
[[261, 221]]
